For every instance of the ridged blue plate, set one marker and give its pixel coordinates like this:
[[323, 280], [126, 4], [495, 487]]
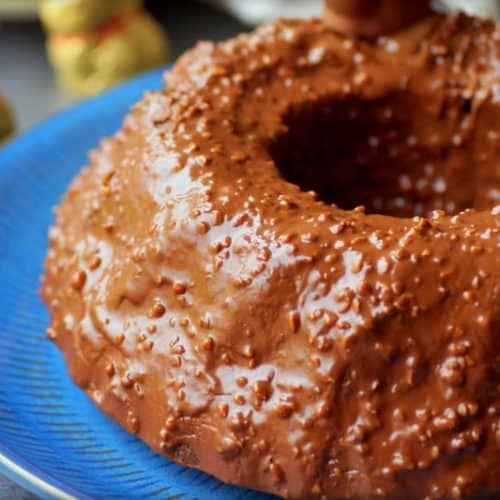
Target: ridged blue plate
[[53, 440]]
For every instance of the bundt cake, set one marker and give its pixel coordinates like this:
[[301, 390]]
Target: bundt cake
[[284, 270]]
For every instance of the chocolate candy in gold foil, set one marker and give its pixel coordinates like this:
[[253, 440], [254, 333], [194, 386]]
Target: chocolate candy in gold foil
[[93, 44]]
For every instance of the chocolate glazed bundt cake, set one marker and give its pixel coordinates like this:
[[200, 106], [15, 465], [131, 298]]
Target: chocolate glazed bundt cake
[[284, 269]]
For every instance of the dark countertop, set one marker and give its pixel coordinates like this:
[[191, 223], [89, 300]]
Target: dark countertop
[[29, 85]]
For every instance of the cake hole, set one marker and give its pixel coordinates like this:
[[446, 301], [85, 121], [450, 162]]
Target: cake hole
[[395, 155]]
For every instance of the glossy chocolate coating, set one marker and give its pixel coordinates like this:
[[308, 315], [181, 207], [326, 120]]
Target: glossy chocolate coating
[[247, 327]]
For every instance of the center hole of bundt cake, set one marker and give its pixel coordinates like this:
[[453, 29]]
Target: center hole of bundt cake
[[389, 154]]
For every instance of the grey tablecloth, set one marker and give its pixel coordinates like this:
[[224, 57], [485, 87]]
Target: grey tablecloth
[[27, 80]]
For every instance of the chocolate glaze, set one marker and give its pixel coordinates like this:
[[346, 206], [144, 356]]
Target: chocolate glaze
[[241, 324]]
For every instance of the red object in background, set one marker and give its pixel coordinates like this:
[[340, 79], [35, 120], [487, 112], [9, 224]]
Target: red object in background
[[374, 17]]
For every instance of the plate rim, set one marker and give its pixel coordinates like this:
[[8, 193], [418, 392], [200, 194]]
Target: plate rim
[[13, 465], [29, 476]]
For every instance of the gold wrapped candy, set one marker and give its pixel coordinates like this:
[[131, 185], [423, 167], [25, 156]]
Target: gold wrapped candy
[[94, 44], [6, 120]]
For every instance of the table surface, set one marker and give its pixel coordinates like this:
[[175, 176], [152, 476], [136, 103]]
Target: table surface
[[29, 84]]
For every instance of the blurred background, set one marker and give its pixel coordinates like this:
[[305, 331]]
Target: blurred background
[[29, 82], [55, 52]]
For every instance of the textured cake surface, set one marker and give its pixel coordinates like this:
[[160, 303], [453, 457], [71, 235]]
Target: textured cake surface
[[210, 297]]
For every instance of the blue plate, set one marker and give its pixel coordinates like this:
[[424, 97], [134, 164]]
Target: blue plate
[[53, 440]]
